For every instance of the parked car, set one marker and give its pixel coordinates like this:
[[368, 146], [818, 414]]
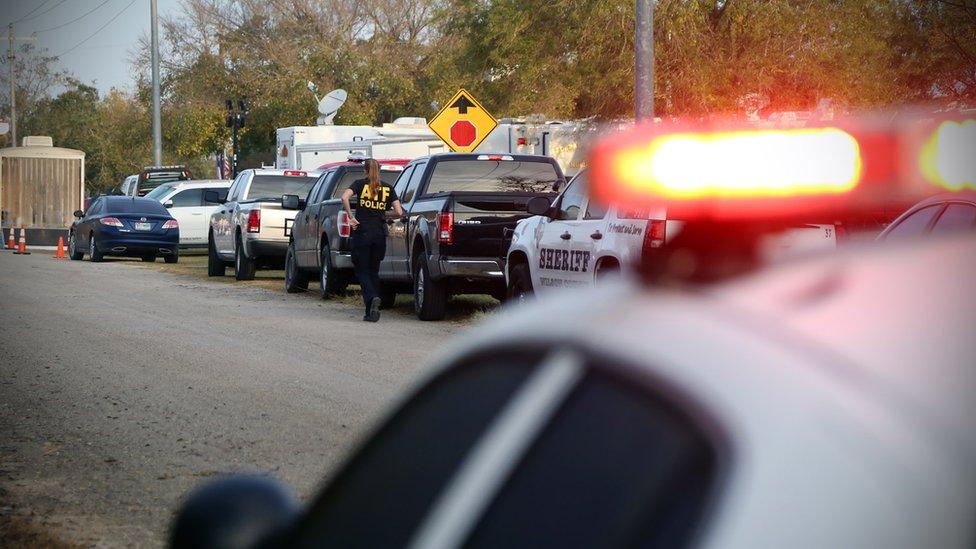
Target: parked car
[[941, 214], [124, 226], [250, 228], [319, 244], [460, 212], [153, 176], [184, 200]]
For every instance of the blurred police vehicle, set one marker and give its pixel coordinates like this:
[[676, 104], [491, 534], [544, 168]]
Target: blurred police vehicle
[[184, 200], [823, 403], [945, 213]]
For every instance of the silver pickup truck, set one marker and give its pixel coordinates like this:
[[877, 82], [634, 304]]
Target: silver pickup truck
[[250, 228]]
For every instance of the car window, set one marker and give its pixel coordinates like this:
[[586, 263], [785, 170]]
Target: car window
[[401, 183], [594, 210], [272, 187], [313, 193], [94, 207], [413, 184], [235, 188], [571, 199], [497, 176], [914, 225], [956, 217], [134, 206], [159, 192], [382, 496], [187, 198], [616, 463], [350, 175]]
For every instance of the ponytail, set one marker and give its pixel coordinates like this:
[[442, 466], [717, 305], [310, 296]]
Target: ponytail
[[373, 176]]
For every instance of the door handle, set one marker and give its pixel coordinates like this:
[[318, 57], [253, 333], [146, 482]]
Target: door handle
[[597, 235], [565, 236], [197, 214]]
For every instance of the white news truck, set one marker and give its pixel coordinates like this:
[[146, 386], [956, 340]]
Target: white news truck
[[308, 147]]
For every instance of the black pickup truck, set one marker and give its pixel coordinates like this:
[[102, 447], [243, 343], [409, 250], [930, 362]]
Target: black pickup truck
[[319, 237], [460, 213]]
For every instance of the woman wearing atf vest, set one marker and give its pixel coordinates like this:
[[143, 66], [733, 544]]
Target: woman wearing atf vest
[[369, 232]]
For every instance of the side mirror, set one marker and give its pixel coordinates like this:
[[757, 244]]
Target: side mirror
[[538, 205], [213, 197], [79, 214], [168, 204], [291, 202], [238, 511]]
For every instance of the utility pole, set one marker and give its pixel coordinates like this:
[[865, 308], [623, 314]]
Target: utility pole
[[13, 82], [235, 120], [644, 61], [157, 126]]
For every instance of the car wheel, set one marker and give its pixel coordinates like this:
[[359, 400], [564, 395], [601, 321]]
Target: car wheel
[[244, 267], [429, 295], [520, 285], [295, 279], [173, 257], [73, 252], [93, 254], [330, 282], [215, 265], [148, 258]]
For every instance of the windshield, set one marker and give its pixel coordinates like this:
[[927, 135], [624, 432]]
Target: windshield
[[499, 176], [159, 192], [271, 187], [134, 206]]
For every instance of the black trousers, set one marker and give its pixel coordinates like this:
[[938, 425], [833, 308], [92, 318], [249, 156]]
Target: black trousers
[[368, 249]]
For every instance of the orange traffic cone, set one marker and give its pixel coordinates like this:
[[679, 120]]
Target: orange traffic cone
[[22, 246], [11, 245], [60, 254]]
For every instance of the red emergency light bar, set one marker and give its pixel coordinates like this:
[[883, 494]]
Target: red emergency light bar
[[737, 171]]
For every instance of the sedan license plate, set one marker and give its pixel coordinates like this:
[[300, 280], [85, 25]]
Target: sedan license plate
[[143, 226]]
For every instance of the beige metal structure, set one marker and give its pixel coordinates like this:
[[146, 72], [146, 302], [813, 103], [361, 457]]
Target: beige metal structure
[[41, 185]]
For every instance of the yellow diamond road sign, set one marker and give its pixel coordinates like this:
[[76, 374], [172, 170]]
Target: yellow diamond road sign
[[463, 124]]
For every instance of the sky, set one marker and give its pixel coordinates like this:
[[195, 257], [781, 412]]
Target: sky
[[104, 58]]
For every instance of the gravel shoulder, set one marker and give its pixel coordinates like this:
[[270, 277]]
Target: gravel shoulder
[[123, 385]]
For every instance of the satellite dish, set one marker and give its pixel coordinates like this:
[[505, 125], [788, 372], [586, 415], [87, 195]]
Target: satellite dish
[[4, 128], [329, 106]]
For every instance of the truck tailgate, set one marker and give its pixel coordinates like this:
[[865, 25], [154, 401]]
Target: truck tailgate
[[483, 222], [274, 220]]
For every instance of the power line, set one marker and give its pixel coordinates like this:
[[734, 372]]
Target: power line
[[76, 19], [90, 36], [26, 18], [31, 11]]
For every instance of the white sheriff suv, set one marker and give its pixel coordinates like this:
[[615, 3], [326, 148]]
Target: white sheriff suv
[[575, 240]]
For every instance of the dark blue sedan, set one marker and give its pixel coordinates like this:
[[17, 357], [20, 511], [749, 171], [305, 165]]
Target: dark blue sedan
[[124, 226]]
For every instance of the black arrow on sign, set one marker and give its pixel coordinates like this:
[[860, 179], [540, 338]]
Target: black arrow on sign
[[462, 105]]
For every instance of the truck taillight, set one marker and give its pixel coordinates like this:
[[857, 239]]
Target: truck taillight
[[254, 221], [445, 228], [654, 235], [345, 229]]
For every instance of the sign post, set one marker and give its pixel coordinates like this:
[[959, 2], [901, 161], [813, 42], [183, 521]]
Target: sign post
[[463, 124]]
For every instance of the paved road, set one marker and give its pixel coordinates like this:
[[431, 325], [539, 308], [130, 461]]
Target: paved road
[[122, 387]]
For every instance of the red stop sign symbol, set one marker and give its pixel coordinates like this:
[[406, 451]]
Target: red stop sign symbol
[[463, 133]]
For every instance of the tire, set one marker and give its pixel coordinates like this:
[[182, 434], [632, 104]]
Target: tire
[[94, 255], [73, 252], [331, 283], [148, 258], [215, 265], [387, 297], [520, 285], [172, 258], [429, 296], [244, 267], [296, 280]]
